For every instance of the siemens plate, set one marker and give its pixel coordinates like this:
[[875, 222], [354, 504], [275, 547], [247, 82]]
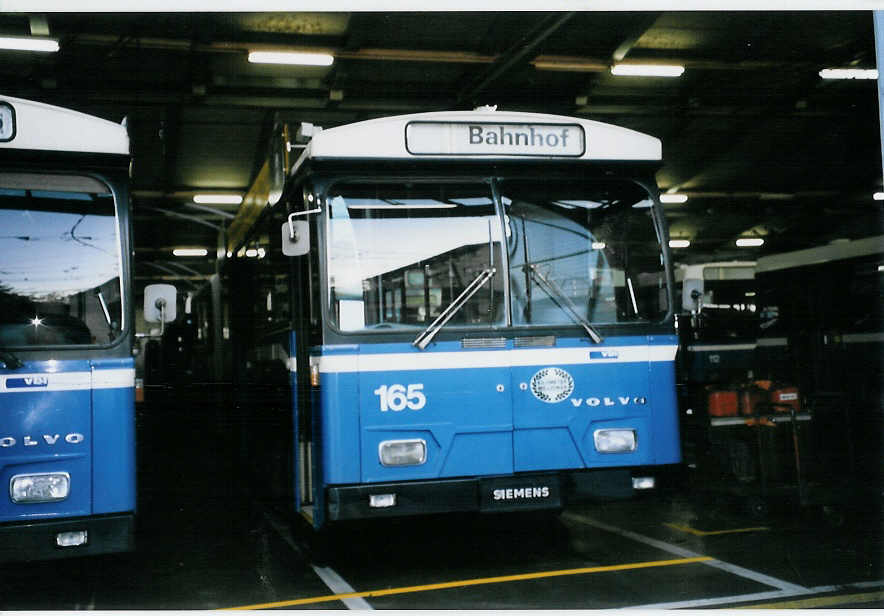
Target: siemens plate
[[492, 138]]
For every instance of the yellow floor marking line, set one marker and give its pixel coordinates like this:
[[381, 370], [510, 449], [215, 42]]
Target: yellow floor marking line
[[706, 533], [475, 582], [817, 602]]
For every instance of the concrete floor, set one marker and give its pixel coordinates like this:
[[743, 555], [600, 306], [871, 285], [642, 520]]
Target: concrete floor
[[203, 545]]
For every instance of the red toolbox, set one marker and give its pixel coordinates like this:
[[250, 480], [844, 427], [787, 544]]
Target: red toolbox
[[722, 403], [753, 400]]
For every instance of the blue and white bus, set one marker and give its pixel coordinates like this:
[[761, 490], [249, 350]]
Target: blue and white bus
[[457, 311], [67, 434]]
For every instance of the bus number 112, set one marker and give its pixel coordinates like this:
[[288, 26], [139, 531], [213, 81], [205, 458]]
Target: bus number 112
[[398, 397]]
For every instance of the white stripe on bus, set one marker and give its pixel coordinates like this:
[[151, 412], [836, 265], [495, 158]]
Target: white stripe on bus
[[68, 381], [722, 347], [769, 342], [493, 359]]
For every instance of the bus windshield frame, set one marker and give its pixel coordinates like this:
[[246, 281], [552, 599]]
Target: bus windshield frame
[[64, 282], [396, 223]]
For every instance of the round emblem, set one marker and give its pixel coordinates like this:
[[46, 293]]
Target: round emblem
[[551, 385]]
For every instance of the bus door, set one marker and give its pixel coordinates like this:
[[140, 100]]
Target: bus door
[[61, 301], [403, 256], [568, 397], [580, 255]]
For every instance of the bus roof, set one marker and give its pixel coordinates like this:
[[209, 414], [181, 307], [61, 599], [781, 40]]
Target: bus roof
[[482, 134], [822, 254], [29, 125]]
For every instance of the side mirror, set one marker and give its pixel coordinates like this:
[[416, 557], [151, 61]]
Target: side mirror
[[159, 303], [295, 238], [692, 292]]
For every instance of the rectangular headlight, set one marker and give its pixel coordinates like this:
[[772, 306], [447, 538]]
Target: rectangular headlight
[[403, 453], [39, 488], [615, 440]]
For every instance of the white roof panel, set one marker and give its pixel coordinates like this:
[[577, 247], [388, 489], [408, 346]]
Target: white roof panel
[[46, 127], [483, 135]]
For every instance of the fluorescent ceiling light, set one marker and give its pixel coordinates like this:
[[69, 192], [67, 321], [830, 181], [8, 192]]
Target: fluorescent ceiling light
[[679, 243], [673, 198], [647, 70], [749, 242], [218, 199], [291, 57], [849, 73], [598, 245], [190, 252], [878, 196], [28, 43]]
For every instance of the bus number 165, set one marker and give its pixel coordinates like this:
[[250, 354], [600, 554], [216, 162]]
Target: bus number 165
[[400, 397]]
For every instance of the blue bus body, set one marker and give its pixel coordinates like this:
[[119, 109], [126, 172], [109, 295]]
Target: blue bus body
[[462, 330], [483, 421], [67, 428]]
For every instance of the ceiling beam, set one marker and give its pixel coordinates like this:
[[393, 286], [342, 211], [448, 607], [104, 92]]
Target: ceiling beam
[[211, 210], [518, 52], [174, 214], [645, 22]]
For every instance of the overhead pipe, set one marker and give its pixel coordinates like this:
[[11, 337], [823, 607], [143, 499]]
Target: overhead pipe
[[515, 54]]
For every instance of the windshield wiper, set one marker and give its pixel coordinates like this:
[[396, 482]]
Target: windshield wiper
[[10, 361], [105, 311], [426, 336], [561, 300]]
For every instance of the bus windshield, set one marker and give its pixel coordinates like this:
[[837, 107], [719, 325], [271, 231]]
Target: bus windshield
[[400, 253], [588, 247], [60, 278]]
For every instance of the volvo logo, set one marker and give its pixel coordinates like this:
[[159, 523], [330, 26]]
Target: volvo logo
[[74, 438], [610, 401]]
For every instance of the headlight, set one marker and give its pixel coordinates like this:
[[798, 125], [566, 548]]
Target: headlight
[[39, 488], [615, 440], [403, 453]]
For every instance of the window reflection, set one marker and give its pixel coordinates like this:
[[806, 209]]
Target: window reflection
[[588, 246], [399, 254], [60, 270]]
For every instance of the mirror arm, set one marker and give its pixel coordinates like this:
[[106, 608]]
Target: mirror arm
[[161, 306], [304, 213]]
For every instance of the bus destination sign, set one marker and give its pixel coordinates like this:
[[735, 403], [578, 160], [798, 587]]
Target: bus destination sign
[[492, 138]]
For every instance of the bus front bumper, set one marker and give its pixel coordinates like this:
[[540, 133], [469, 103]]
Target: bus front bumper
[[523, 492], [64, 538]]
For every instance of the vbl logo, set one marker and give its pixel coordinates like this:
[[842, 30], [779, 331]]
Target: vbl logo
[[28, 381]]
